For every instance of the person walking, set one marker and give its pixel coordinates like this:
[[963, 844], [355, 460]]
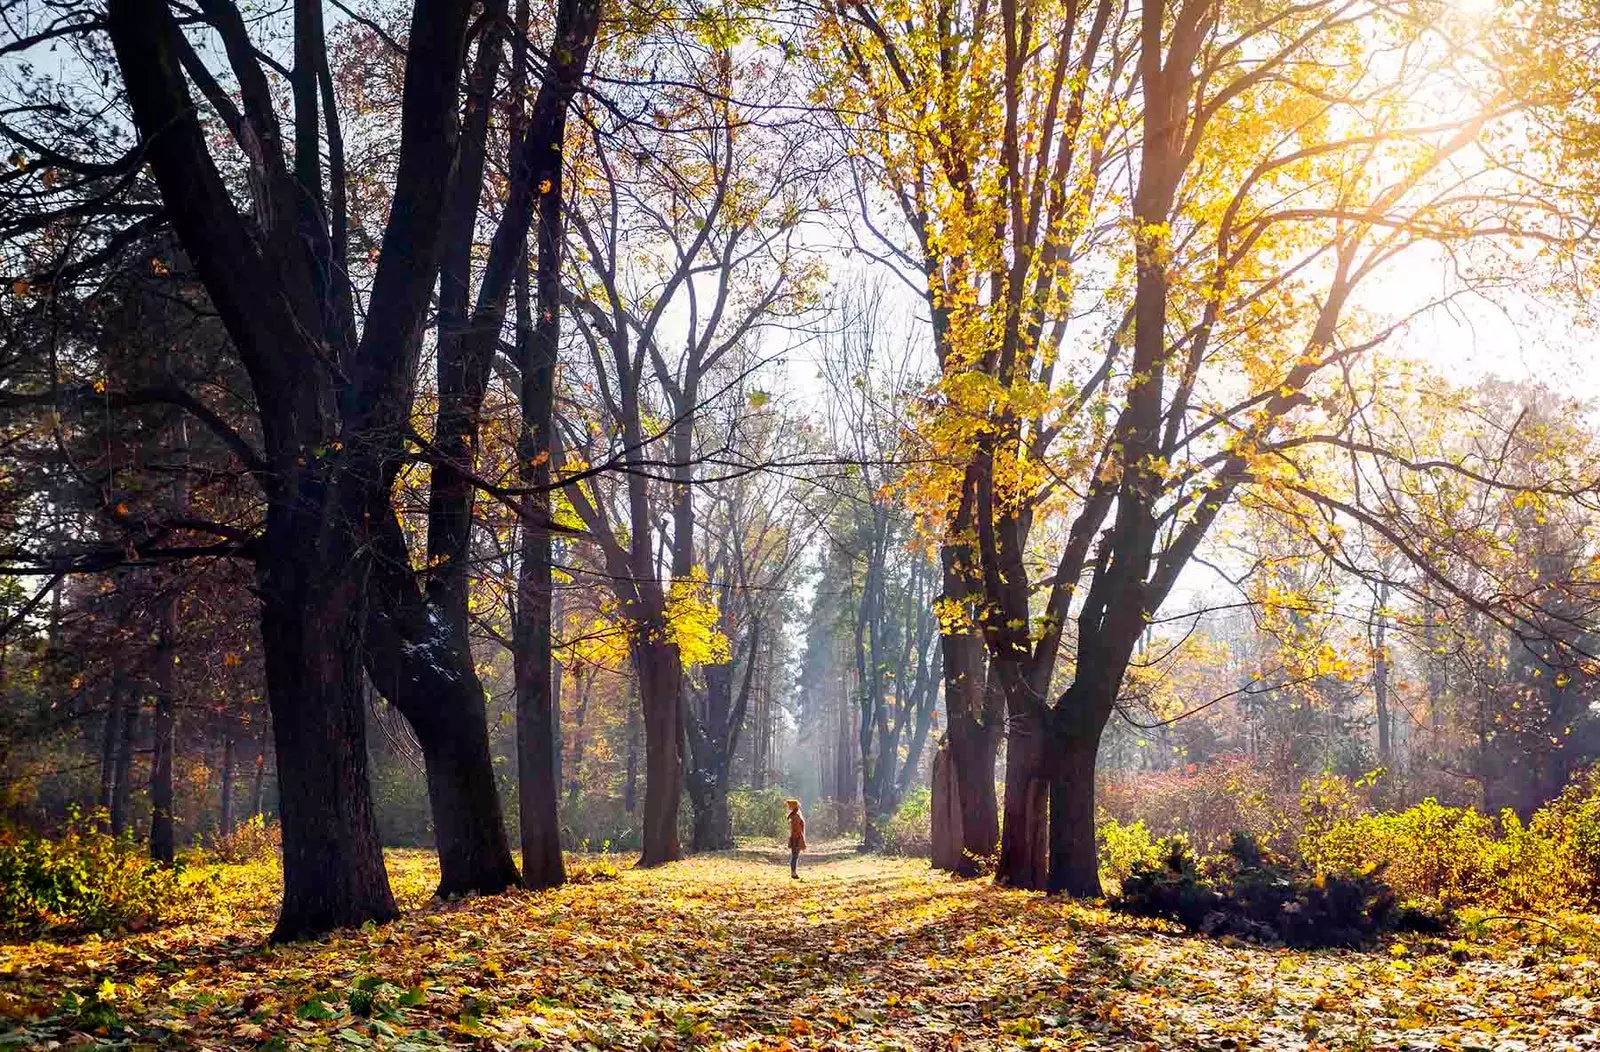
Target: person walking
[[797, 837]]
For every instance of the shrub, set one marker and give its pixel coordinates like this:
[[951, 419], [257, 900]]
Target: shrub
[[1449, 854], [909, 831], [1459, 857], [84, 880], [758, 813], [254, 840], [1254, 893], [1123, 847]]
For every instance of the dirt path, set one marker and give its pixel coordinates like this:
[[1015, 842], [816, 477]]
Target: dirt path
[[728, 951]]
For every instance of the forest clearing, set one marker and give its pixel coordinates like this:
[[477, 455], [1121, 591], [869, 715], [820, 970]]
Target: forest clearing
[[725, 951]]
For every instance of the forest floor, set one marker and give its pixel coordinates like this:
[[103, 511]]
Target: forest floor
[[727, 951]]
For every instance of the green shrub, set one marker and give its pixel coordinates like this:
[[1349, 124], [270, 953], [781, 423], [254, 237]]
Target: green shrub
[[1252, 892], [758, 813], [1450, 854], [1122, 847], [83, 880], [909, 831], [1459, 857]]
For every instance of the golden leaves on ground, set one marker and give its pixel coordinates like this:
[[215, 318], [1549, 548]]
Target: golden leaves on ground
[[727, 951]]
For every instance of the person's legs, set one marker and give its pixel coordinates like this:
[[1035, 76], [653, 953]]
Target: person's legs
[[794, 862]]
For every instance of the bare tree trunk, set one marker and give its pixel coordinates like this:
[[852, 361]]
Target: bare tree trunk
[[122, 791], [945, 824], [1024, 850], [108, 744], [1380, 678], [661, 699], [975, 717], [162, 847], [225, 809], [258, 799], [538, 697]]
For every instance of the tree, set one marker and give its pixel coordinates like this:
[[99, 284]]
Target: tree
[[1086, 449], [688, 237]]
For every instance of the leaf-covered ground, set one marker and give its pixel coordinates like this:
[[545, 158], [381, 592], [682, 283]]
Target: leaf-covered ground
[[727, 951]]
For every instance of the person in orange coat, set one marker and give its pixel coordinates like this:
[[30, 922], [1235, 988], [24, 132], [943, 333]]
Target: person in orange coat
[[797, 837]]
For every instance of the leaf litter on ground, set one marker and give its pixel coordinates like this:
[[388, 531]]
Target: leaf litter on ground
[[727, 951]]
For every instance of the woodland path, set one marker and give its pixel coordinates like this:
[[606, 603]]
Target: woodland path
[[727, 951]]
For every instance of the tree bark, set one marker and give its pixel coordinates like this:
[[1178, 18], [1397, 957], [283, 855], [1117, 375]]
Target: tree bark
[[540, 169], [423, 665], [1074, 857], [258, 796], [225, 803], [975, 715], [713, 826], [1024, 851], [122, 792], [945, 824], [419, 645], [162, 841], [332, 414], [108, 744], [313, 610], [661, 699], [630, 783]]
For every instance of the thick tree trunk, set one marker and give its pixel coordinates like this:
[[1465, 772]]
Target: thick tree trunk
[[713, 826], [423, 666], [974, 710], [225, 804], [419, 645], [1074, 855], [1024, 852], [162, 841], [660, 697], [312, 575]]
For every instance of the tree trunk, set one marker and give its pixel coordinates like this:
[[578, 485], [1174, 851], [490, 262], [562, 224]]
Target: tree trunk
[[225, 808], [945, 822], [974, 713], [1074, 856], [419, 645], [122, 792], [713, 826], [162, 846], [258, 798], [1024, 835], [660, 697], [542, 862], [1380, 678], [108, 745], [312, 572], [422, 663]]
